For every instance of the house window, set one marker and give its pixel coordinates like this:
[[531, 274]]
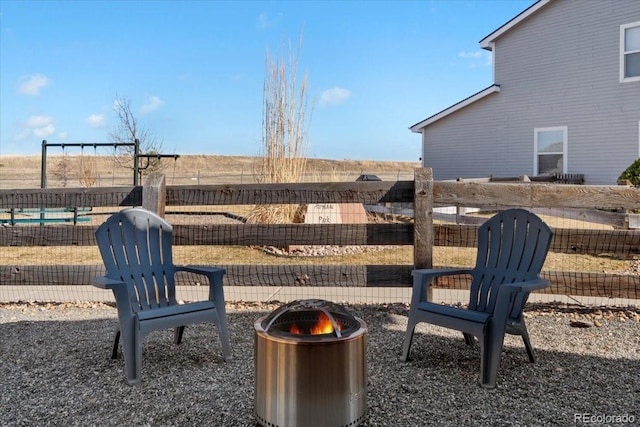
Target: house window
[[550, 150], [630, 52]]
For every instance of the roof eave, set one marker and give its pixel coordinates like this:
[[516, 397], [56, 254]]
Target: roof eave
[[488, 42], [455, 107]]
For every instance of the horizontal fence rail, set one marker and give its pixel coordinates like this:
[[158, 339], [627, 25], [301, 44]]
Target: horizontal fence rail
[[461, 194], [615, 243], [535, 195]]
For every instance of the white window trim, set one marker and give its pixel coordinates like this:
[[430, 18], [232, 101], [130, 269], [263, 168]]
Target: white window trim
[[624, 79], [565, 138]]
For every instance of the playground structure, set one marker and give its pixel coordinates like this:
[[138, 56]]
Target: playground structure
[[70, 214], [137, 169], [34, 215]]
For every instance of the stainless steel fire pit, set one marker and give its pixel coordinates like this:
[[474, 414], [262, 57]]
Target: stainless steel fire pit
[[310, 366]]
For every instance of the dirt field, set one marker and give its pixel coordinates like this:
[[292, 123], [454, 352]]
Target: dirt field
[[18, 172]]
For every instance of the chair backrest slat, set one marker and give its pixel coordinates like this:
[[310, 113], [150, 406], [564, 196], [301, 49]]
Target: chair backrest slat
[[135, 245], [512, 247]]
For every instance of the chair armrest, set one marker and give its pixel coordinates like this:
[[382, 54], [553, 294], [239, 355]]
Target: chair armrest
[[120, 290], [508, 291], [527, 286], [435, 272], [205, 271], [104, 282], [214, 274], [422, 280]]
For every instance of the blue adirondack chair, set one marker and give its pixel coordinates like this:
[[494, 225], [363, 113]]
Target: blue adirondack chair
[[512, 247], [135, 245]]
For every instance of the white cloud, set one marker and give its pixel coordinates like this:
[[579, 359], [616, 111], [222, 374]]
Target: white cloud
[[153, 103], [478, 58], [334, 96], [265, 21], [38, 121], [40, 126], [475, 55], [96, 120], [31, 85], [63, 135], [44, 131]]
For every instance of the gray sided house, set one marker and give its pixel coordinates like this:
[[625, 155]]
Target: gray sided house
[[565, 98]]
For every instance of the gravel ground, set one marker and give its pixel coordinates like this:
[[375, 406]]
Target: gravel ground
[[56, 371]]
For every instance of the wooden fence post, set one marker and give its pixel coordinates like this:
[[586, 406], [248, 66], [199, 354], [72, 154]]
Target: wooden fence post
[[423, 219], [154, 194]]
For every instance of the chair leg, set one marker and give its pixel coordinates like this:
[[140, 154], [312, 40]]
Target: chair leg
[[528, 346], [132, 351], [408, 338], [136, 378], [116, 341], [468, 338], [490, 355], [177, 335], [223, 331], [520, 328], [216, 294]]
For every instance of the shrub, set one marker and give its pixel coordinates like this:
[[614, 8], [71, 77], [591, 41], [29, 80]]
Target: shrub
[[632, 173], [284, 134]]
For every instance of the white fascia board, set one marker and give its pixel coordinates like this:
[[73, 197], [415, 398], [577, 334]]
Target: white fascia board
[[455, 107], [488, 42]]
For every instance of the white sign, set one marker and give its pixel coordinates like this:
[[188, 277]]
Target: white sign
[[323, 213]]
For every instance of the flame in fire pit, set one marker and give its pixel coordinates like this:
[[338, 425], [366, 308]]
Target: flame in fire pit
[[322, 326]]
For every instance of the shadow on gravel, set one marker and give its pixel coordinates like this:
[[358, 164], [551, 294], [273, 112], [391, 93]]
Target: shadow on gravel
[[60, 373]]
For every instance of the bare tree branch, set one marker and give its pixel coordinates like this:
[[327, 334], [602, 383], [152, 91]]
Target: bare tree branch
[[127, 131]]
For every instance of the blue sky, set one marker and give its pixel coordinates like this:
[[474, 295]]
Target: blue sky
[[194, 70]]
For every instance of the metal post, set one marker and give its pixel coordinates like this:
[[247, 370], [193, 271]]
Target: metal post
[[136, 153], [43, 165]]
